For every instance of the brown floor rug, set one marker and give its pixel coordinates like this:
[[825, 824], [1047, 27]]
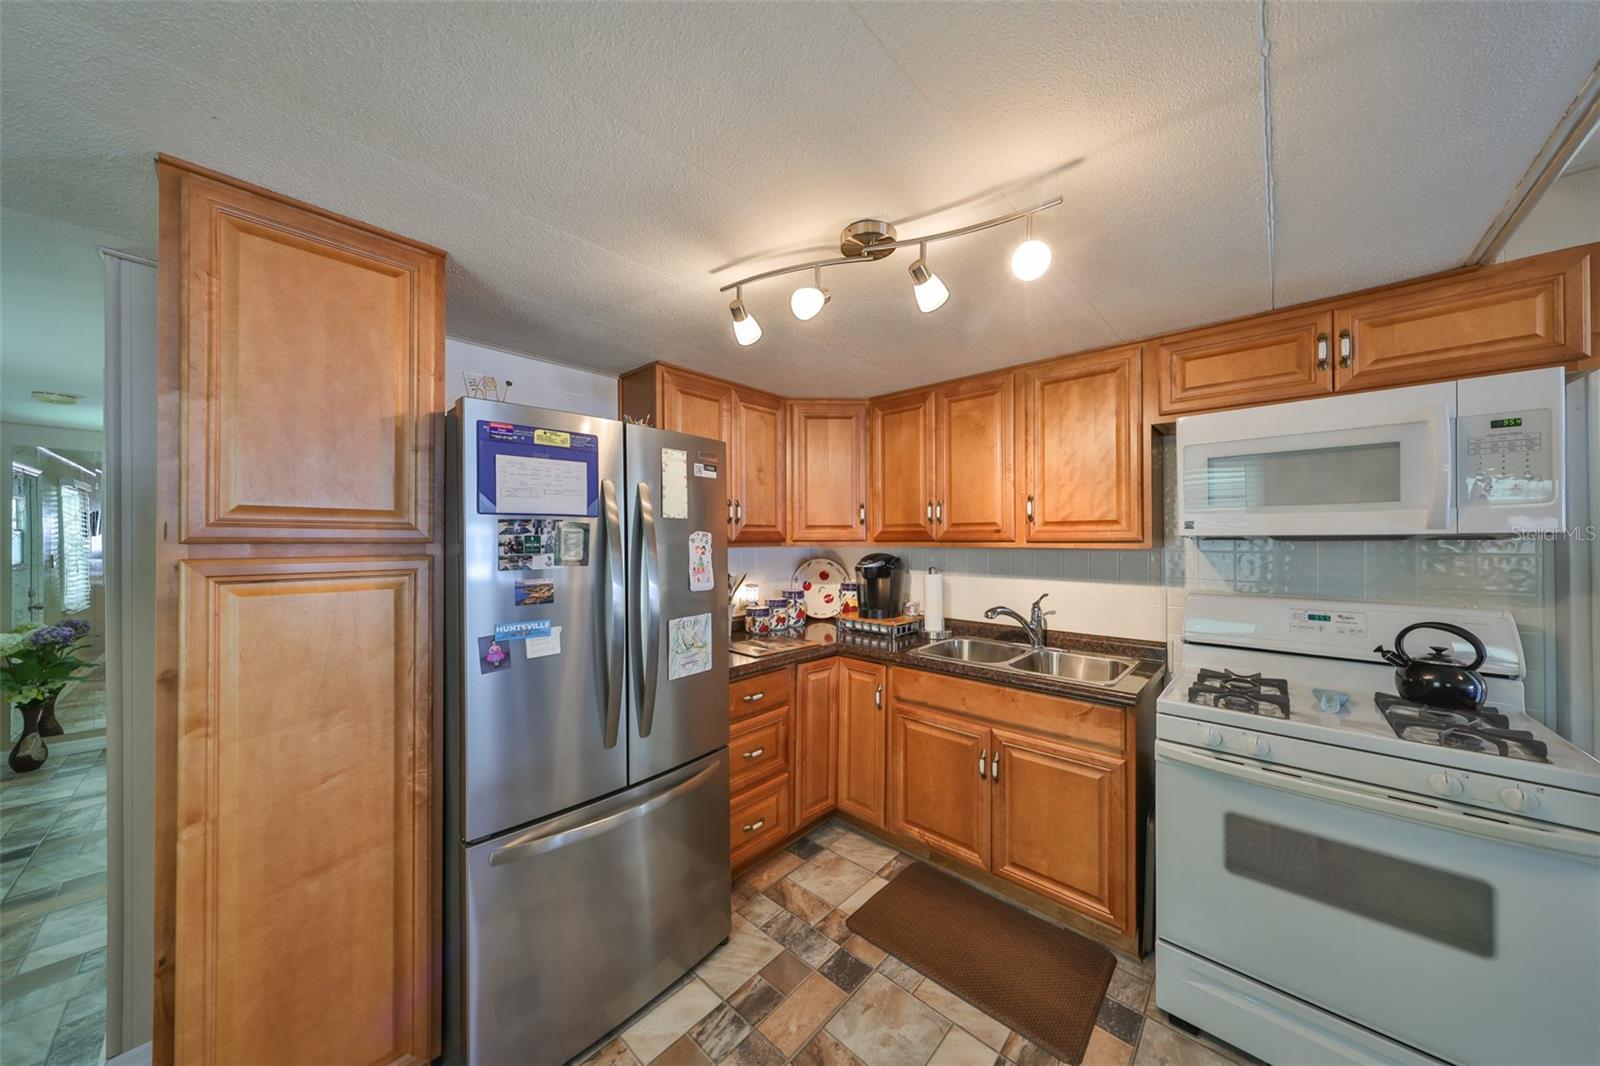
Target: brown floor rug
[[1043, 981]]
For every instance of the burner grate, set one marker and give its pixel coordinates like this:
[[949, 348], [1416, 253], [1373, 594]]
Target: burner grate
[[1250, 693], [1484, 730]]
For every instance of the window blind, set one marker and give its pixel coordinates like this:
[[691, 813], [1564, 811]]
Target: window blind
[[74, 549]]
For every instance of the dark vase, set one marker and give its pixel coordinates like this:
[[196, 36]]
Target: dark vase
[[48, 726], [29, 752]]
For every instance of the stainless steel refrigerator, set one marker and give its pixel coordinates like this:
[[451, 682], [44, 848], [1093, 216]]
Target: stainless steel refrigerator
[[586, 729]]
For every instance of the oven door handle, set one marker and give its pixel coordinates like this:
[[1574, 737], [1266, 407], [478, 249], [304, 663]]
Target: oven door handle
[[1578, 844]]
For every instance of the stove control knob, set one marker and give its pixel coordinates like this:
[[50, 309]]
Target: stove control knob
[[1444, 784], [1213, 737], [1518, 799], [1256, 744]]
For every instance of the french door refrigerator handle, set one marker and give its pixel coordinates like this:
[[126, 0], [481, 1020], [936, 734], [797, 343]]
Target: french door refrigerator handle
[[615, 623], [540, 841], [647, 658], [1336, 790]]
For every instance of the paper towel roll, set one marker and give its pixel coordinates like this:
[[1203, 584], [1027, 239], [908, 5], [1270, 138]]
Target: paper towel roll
[[933, 602]]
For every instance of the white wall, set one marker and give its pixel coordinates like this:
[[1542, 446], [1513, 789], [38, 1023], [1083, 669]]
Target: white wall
[[1567, 214], [534, 381]]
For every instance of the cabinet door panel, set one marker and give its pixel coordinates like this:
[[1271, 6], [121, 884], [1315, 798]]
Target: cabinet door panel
[[758, 448], [692, 404], [816, 739], [1263, 360], [1085, 450], [759, 818], [974, 438], [863, 739], [311, 352], [304, 813], [757, 747], [1511, 316], [1060, 824], [936, 792], [901, 503], [828, 450]]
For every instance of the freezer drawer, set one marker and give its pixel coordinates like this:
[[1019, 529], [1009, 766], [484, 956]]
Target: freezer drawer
[[570, 926]]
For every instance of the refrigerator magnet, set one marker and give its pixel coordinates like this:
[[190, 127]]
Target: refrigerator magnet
[[539, 647], [530, 630], [492, 655], [700, 576], [674, 483], [534, 593]]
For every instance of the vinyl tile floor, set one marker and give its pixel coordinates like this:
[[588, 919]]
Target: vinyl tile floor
[[794, 985], [53, 892]]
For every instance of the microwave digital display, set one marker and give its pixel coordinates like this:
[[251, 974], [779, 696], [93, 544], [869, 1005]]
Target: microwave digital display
[[1504, 423]]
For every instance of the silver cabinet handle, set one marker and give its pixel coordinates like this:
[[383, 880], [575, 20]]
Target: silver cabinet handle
[[757, 824], [938, 511], [755, 754], [983, 759], [730, 512], [1346, 349], [754, 696], [994, 765], [647, 654], [861, 512], [738, 510], [877, 697], [617, 612], [1030, 508], [1322, 352], [930, 512]]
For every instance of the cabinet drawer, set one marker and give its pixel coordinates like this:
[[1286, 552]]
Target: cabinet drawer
[[754, 695], [998, 705], [758, 747], [758, 818]]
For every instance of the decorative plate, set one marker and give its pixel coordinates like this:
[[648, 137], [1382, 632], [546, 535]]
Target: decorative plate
[[819, 578]]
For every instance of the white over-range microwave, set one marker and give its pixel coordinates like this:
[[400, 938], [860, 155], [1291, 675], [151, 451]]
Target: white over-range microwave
[[1477, 457]]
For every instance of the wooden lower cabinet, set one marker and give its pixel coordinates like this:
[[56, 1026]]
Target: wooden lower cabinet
[[816, 718], [938, 791], [863, 739], [759, 818], [1060, 823]]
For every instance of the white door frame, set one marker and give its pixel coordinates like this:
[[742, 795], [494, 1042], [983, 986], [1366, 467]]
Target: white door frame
[[129, 492]]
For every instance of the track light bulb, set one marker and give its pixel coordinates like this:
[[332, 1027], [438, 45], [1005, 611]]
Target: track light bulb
[[1032, 257], [746, 330], [925, 284], [809, 299]]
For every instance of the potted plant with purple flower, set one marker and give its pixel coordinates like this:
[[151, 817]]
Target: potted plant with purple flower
[[36, 662]]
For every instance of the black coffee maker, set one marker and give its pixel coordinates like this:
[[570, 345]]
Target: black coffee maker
[[882, 580]]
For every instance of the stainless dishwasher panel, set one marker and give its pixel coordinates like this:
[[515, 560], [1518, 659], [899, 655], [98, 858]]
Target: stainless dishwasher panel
[[570, 926]]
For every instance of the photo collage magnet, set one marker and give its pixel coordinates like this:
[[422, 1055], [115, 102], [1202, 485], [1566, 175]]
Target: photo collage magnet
[[542, 543]]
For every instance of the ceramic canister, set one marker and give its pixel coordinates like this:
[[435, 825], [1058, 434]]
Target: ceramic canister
[[758, 621], [780, 613], [850, 597], [797, 606]]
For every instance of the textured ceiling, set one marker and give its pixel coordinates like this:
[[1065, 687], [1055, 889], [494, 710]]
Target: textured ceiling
[[597, 171]]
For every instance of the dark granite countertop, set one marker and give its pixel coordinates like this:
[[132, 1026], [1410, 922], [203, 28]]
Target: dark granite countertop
[[820, 641]]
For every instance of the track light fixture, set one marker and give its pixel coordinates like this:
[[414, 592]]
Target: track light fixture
[[809, 299], [870, 239], [1032, 257], [925, 284], [746, 330]]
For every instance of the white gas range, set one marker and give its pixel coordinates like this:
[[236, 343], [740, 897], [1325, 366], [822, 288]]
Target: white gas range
[[1384, 882]]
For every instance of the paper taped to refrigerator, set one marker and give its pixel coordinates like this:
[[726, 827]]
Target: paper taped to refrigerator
[[688, 646], [539, 647], [527, 470], [701, 578], [674, 483]]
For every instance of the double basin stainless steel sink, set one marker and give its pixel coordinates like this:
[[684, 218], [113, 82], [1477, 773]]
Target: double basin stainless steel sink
[[1085, 669]]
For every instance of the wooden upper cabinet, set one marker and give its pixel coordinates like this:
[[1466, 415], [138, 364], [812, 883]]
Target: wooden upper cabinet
[[827, 470], [689, 403], [1268, 359], [974, 441], [1061, 824], [938, 787], [1084, 449], [312, 350], [863, 739], [758, 458], [900, 505], [1519, 315], [304, 817], [816, 721]]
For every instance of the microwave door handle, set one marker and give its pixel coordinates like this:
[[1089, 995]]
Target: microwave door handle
[[647, 651], [615, 620], [1583, 846], [1441, 491]]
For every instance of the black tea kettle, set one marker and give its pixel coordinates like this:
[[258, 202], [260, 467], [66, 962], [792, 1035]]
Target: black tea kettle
[[1437, 679]]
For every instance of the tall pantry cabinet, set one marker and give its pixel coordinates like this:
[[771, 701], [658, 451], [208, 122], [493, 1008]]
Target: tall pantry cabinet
[[300, 401]]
